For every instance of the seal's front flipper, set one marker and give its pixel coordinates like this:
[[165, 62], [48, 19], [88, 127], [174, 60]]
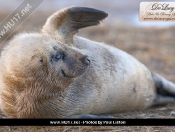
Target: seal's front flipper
[[65, 23], [88, 116]]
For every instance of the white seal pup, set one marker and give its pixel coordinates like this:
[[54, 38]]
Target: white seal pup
[[55, 74]]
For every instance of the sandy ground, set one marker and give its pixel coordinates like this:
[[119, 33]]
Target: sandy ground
[[89, 129], [152, 46]]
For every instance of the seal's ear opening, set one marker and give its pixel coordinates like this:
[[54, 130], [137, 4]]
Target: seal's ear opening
[[66, 22]]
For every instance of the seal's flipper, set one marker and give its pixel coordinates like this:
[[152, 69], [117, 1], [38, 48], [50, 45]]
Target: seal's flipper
[[163, 100], [66, 22], [163, 86], [165, 90]]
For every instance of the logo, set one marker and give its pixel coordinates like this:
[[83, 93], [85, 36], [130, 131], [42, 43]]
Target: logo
[[157, 11]]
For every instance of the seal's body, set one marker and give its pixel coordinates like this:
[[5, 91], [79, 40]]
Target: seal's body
[[111, 84], [54, 74]]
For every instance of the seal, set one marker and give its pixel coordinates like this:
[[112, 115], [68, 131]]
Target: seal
[[55, 74]]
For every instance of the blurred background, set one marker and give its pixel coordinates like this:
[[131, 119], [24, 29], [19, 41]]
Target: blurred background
[[152, 43], [122, 11]]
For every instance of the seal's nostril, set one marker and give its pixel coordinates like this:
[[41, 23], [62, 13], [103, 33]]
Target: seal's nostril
[[88, 61], [85, 60]]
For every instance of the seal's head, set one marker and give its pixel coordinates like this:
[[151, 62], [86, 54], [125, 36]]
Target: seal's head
[[37, 67]]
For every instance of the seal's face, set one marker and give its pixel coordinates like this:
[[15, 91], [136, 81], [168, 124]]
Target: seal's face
[[35, 55], [37, 68]]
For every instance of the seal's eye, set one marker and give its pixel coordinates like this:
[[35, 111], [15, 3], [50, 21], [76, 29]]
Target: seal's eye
[[58, 56]]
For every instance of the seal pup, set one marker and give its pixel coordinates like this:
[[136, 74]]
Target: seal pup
[[55, 74]]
